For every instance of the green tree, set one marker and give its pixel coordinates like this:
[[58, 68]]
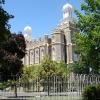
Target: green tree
[[28, 74], [4, 27], [44, 73], [79, 67], [63, 65], [88, 40], [48, 67], [12, 46], [49, 70]]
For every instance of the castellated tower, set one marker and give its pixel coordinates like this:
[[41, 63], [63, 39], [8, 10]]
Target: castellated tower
[[62, 43], [60, 46], [66, 41]]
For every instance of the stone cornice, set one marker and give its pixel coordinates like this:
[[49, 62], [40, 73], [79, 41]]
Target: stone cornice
[[56, 31], [36, 47]]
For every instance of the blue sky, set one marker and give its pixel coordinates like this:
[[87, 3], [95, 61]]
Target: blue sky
[[41, 15]]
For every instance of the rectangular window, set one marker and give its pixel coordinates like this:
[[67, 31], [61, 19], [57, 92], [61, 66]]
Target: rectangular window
[[75, 57]]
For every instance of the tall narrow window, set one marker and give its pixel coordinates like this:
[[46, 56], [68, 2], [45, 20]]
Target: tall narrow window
[[36, 53], [53, 54], [75, 57], [63, 53], [32, 58], [42, 53], [37, 56]]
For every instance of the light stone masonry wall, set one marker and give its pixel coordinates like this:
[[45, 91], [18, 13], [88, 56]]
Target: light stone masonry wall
[[61, 42]]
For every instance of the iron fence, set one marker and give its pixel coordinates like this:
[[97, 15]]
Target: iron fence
[[45, 88]]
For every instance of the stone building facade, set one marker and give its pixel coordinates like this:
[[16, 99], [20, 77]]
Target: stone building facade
[[60, 46]]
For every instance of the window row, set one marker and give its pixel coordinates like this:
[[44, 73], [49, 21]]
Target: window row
[[32, 59]]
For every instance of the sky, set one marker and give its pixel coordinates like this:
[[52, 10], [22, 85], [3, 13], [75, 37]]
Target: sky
[[42, 16]]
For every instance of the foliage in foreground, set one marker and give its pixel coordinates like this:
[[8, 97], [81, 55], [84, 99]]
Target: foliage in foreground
[[88, 40], [91, 92], [46, 73], [48, 67], [12, 46], [79, 67], [6, 84], [28, 74]]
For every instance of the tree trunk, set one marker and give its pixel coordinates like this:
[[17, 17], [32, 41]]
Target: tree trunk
[[48, 87], [15, 90]]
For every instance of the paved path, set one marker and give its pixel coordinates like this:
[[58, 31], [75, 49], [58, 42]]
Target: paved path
[[40, 94]]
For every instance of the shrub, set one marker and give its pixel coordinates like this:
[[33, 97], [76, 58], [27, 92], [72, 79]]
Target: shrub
[[98, 91], [91, 92]]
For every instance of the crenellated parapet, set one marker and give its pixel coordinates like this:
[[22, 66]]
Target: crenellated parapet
[[40, 38], [28, 43], [37, 43], [56, 31], [67, 25], [63, 26], [34, 40]]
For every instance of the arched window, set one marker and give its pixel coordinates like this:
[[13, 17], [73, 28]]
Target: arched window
[[63, 53], [37, 56], [42, 53], [53, 54], [32, 58]]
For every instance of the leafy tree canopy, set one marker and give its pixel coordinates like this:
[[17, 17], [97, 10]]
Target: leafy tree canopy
[[4, 26], [88, 40], [28, 74], [12, 46], [48, 67], [79, 67]]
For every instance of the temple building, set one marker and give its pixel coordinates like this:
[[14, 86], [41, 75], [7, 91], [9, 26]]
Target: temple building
[[60, 46]]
